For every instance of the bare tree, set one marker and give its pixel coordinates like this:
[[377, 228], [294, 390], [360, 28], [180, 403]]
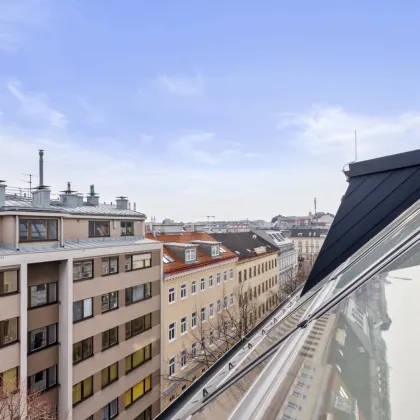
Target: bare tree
[[16, 402]]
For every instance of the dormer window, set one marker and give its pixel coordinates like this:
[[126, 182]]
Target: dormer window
[[215, 251], [190, 255]]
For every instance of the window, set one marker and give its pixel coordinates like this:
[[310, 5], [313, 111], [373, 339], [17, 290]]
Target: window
[[219, 305], [225, 276], [240, 276], [190, 255], [266, 266], [183, 290], [82, 350], [8, 331], [9, 282], [193, 287], [171, 295], [203, 284], [218, 279], [98, 228], [211, 310], [82, 390], [109, 375], [171, 366], [225, 302], [231, 299], [138, 390], [183, 325], [137, 358], [138, 293], [167, 259], [110, 410], [193, 319], [138, 325], [9, 381], [194, 350], [138, 261], [43, 380], [211, 338], [109, 266], [82, 270], [42, 294], [109, 338], [215, 251], [145, 415], [42, 337], [127, 228], [203, 314], [259, 269], [232, 276], [250, 273], [245, 275], [172, 331], [82, 309], [255, 270], [109, 301], [211, 281], [183, 358], [38, 230]]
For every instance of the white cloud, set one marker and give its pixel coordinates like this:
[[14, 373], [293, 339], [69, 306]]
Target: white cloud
[[330, 130], [34, 105], [193, 146], [181, 84], [91, 113]]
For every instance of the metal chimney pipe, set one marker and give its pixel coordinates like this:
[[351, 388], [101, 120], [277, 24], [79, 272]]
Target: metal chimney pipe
[[92, 190], [68, 186], [41, 168]]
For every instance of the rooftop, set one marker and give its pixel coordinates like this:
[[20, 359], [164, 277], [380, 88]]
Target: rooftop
[[306, 233]]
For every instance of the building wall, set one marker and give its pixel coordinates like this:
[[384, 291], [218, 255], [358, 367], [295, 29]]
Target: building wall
[[7, 230], [308, 247]]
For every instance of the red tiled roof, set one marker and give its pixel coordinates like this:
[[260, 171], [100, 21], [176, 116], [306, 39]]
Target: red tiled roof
[[202, 258]]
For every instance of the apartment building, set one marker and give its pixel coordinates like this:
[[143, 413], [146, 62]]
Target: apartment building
[[257, 272], [79, 305], [308, 243], [199, 289]]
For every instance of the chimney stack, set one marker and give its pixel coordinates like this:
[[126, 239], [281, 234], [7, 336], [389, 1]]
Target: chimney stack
[[122, 203], [69, 198], [41, 196], [2, 193], [92, 198]]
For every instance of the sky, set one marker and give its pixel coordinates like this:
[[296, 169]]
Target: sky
[[194, 108]]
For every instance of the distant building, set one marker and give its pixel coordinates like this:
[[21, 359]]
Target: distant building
[[308, 243]]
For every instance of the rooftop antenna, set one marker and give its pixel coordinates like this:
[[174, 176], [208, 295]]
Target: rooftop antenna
[[209, 217], [30, 179]]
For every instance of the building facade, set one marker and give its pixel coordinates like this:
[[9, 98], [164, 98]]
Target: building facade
[[79, 305], [308, 243]]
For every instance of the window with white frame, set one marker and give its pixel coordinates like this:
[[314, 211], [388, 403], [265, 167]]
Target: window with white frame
[[203, 284], [193, 287], [172, 331], [193, 319], [190, 255], [171, 294], [211, 310], [232, 299], [219, 305], [171, 366], [225, 276], [225, 302], [231, 274], [183, 358], [218, 279], [183, 290], [215, 251], [183, 325], [203, 314], [194, 350], [211, 338], [211, 281]]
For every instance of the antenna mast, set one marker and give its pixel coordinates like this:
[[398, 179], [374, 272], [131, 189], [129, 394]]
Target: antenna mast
[[30, 179]]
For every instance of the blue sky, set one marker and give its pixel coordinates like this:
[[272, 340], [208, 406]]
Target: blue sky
[[234, 109]]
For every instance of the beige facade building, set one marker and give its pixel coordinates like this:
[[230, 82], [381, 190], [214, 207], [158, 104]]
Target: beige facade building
[[79, 305], [308, 243]]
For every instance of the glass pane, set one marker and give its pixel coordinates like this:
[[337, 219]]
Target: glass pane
[[77, 310], [138, 390], [113, 407], [38, 338], [23, 230], [137, 263], [87, 347], [113, 300], [8, 331], [147, 383], [105, 339], [87, 387], [39, 381], [127, 398], [52, 225], [114, 265], [127, 262], [138, 357], [147, 321], [137, 325], [105, 266], [52, 375], [77, 271], [128, 365], [127, 330], [113, 372], [147, 290], [87, 308], [9, 282], [77, 351], [105, 303], [38, 295], [77, 393], [87, 268], [104, 377], [148, 352], [138, 292], [52, 292], [105, 413], [9, 381], [38, 230], [113, 336]]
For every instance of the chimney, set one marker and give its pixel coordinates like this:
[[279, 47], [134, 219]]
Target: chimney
[[41, 195], [69, 198], [93, 198], [122, 203], [2, 193], [134, 207]]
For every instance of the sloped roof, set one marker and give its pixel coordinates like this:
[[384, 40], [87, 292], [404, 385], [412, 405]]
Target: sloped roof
[[185, 238], [308, 233], [379, 191]]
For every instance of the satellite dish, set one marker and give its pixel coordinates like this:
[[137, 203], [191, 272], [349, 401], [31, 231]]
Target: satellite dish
[[254, 237]]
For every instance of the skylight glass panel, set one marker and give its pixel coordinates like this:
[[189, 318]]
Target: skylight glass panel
[[167, 259], [222, 250]]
